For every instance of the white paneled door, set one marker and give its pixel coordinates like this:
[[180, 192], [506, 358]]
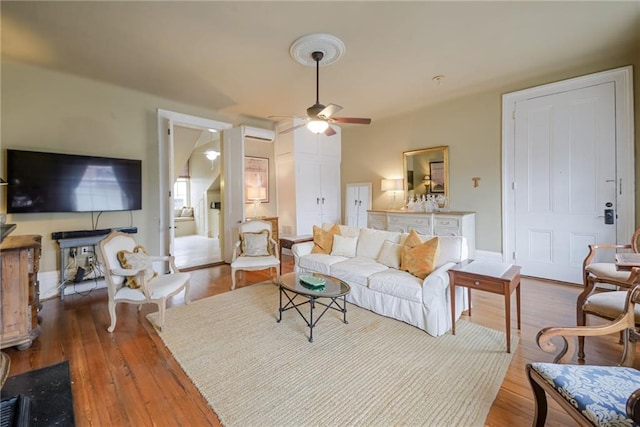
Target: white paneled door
[[358, 202], [565, 179], [568, 172]]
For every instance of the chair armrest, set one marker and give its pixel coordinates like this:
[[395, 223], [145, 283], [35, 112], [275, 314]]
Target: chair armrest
[[236, 251], [125, 271], [626, 322], [593, 248], [274, 245]]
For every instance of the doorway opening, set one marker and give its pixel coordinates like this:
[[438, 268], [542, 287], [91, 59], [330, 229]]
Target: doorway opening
[[191, 176]]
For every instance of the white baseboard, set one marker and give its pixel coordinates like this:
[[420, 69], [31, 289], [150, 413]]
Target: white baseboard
[[50, 285]]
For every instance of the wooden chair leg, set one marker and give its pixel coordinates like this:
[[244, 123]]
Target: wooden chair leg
[[540, 414]]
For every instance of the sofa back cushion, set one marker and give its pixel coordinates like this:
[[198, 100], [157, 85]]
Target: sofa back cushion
[[370, 241], [349, 231]]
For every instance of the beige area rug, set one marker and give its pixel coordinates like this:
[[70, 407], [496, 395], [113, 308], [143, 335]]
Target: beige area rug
[[373, 371]]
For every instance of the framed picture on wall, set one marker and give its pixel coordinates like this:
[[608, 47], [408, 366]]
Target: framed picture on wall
[[436, 170], [256, 179]]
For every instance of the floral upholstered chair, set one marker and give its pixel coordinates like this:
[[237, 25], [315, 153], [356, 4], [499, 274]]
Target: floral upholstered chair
[[255, 250], [592, 395]]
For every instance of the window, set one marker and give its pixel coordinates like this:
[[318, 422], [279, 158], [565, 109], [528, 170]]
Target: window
[[181, 193]]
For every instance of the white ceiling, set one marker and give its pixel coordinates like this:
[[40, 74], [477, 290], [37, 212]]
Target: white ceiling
[[234, 56]]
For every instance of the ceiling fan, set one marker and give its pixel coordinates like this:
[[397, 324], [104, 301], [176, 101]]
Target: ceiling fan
[[319, 117]]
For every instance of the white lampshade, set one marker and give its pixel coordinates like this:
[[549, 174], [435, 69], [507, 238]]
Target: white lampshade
[[391, 185], [256, 193], [317, 126]]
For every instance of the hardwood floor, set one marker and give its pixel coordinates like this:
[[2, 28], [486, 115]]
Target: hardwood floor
[[130, 378]]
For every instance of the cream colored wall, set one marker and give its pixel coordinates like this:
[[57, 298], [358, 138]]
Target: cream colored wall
[[44, 110], [471, 127]]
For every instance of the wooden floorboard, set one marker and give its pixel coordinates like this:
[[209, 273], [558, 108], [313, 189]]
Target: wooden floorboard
[[130, 377]]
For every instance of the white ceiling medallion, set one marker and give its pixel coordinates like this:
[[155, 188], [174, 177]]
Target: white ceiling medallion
[[332, 47]]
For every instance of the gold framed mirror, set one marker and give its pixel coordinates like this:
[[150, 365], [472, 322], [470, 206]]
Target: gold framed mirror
[[426, 171]]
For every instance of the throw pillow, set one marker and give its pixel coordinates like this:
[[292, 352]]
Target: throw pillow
[[411, 241], [186, 212], [136, 260], [255, 244], [390, 254], [421, 260], [323, 240], [344, 246]]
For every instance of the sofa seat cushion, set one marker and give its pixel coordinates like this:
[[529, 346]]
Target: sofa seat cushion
[[320, 263], [355, 271], [397, 283]]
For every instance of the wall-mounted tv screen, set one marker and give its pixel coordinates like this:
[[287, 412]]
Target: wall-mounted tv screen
[[50, 182]]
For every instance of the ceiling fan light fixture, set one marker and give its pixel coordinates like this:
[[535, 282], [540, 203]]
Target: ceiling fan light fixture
[[317, 126], [211, 155]]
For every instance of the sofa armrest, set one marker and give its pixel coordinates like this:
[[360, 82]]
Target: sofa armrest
[[301, 249], [436, 283]]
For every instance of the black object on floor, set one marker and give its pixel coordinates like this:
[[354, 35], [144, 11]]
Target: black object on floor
[[49, 390]]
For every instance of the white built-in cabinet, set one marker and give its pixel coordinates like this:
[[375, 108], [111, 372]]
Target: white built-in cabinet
[[307, 179], [357, 203], [427, 223]]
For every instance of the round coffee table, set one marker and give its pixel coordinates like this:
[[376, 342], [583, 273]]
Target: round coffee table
[[334, 289]]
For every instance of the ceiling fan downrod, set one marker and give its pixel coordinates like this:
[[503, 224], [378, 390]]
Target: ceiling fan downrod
[[317, 56]]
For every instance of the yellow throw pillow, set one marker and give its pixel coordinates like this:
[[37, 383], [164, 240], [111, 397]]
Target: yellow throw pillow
[[412, 240], [323, 240], [421, 260], [136, 260]]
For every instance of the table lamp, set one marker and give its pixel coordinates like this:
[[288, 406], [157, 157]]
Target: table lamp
[[392, 185], [256, 194]]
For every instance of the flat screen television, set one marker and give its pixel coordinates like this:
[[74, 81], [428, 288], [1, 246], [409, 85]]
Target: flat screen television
[[50, 182]]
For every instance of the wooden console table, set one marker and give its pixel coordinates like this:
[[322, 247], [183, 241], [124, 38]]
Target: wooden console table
[[20, 296], [491, 277]]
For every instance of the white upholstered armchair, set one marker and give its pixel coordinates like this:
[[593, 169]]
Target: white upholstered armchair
[[255, 250], [130, 277]]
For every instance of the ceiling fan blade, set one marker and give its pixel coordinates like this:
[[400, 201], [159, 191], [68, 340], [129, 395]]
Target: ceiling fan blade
[[330, 131], [291, 129], [285, 117], [329, 111], [357, 120]]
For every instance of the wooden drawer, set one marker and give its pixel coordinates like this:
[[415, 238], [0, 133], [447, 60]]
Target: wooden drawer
[[483, 284]]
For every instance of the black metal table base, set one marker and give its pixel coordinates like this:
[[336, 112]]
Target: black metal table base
[[312, 301]]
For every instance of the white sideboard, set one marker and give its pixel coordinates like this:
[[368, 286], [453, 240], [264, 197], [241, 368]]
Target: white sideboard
[[427, 223]]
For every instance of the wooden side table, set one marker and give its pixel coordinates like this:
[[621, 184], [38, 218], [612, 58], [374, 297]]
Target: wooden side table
[[491, 277], [288, 241]]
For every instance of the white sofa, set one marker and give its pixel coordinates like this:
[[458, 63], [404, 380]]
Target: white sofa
[[389, 291]]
